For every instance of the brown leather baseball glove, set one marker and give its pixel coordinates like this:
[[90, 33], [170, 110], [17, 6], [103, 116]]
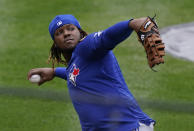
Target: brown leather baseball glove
[[149, 36]]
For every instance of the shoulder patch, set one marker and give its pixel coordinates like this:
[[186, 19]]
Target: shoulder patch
[[98, 33]]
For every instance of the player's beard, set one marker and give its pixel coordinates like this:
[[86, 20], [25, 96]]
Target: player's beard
[[67, 53], [68, 50], [69, 47]]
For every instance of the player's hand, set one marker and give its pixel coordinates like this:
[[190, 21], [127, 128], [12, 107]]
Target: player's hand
[[46, 74]]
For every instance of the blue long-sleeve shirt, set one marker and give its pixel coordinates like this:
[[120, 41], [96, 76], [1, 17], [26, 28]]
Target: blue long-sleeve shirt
[[96, 85]]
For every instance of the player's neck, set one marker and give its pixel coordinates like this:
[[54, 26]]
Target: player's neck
[[67, 56]]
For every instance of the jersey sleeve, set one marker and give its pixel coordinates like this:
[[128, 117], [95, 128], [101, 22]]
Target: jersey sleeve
[[114, 35], [103, 41], [61, 72]]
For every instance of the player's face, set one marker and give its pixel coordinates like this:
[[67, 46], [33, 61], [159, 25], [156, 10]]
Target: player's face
[[67, 37]]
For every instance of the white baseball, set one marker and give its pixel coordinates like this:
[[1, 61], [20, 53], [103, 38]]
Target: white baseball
[[35, 78]]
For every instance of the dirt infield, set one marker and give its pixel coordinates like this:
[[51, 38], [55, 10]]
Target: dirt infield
[[179, 40]]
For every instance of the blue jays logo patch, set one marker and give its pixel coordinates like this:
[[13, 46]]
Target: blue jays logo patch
[[73, 75]]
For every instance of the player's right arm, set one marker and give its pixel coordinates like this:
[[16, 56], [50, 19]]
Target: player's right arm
[[48, 74], [60, 72]]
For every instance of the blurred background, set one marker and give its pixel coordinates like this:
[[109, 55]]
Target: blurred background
[[167, 95]]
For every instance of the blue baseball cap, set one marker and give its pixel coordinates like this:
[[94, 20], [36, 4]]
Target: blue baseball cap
[[61, 20]]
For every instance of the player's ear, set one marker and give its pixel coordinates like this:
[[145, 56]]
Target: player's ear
[[55, 45], [82, 33]]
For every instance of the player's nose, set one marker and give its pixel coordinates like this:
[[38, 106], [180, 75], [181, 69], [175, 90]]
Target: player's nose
[[66, 33]]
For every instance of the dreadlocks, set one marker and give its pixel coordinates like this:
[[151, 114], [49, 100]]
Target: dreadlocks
[[56, 53]]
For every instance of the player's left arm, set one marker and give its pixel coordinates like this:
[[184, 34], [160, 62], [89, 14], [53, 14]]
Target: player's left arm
[[113, 35], [99, 43]]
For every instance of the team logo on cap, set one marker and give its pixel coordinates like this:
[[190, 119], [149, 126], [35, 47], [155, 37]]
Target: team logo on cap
[[73, 75], [59, 23]]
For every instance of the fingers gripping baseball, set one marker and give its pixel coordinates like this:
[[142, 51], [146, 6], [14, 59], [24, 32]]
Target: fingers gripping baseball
[[46, 74]]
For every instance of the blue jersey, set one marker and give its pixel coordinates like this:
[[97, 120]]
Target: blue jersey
[[96, 85]]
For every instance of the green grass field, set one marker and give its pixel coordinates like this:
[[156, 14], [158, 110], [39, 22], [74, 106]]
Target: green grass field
[[167, 96]]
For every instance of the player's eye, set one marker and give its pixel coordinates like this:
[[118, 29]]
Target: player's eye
[[70, 28], [59, 32]]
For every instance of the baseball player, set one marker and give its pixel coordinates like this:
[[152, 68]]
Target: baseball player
[[96, 85]]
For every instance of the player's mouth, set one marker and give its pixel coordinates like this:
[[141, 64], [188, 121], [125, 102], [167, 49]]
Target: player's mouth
[[68, 40]]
